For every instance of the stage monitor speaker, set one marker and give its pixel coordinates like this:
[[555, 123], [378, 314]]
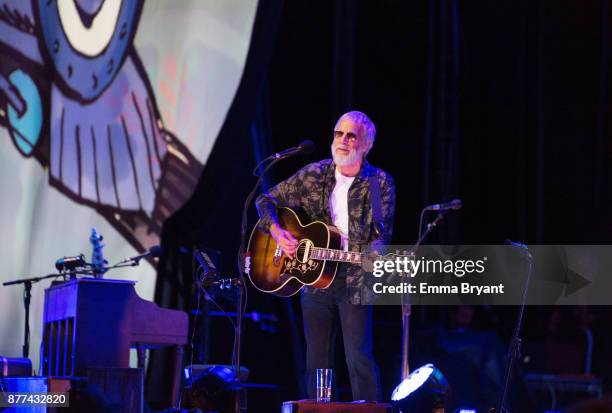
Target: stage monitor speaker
[[103, 389]]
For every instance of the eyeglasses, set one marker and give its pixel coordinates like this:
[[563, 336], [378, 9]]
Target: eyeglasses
[[350, 136]]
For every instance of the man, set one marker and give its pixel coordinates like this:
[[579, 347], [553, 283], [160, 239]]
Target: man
[[338, 193]]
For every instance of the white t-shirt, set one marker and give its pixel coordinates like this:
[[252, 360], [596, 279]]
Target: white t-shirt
[[338, 206]]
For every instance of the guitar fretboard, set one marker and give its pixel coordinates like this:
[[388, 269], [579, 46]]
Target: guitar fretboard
[[335, 255]]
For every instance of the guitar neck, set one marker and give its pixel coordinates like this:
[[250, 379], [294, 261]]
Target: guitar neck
[[328, 254]]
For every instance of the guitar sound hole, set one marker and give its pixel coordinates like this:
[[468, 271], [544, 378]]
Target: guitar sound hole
[[302, 253]]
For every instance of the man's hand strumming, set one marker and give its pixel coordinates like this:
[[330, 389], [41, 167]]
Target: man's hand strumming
[[284, 239]]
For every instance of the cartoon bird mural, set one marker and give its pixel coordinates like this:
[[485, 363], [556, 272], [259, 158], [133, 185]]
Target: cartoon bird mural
[[75, 96]]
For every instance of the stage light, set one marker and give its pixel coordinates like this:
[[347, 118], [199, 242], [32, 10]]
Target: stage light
[[425, 390]]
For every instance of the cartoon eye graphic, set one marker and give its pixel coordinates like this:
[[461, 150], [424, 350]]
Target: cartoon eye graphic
[[87, 41], [25, 115], [89, 33]]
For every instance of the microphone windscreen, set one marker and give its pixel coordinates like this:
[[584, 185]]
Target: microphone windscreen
[[70, 262], [156, 251], [456, 204], [307, 147]]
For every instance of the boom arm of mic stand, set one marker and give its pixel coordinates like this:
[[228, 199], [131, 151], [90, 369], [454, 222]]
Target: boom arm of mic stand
[[32, 280], [132, 263], [122, 264], [273, 159], [429, 229]]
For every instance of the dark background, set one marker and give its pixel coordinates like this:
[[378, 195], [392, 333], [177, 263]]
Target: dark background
[[504, 104]]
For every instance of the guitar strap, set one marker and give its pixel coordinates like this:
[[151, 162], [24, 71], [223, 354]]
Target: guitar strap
[[376, 204]]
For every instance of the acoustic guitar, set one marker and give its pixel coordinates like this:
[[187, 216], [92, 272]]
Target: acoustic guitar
[[315, 262]]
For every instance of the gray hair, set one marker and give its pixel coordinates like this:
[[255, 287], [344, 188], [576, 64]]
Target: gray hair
[[367, 126]]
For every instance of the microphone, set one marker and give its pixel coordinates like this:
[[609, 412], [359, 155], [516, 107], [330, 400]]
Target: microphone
[[516, 244], [155, 251], [454, 204], [305, 147], [70, 263], [521, 248]]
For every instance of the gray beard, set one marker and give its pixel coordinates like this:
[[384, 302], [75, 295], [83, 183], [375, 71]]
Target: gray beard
[[339, 160]]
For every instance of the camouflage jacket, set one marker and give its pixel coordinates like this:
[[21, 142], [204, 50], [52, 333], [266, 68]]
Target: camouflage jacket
[[310, 189]]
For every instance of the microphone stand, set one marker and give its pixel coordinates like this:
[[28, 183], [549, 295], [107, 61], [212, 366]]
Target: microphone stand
[[27, 297], [407, 307], [242, 255], [242, 292], [514, 348]]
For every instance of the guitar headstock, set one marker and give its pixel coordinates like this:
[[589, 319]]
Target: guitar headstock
[[98, 261], [383, 254]]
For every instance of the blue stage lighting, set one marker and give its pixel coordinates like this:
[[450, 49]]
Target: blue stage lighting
[[424, 390]]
